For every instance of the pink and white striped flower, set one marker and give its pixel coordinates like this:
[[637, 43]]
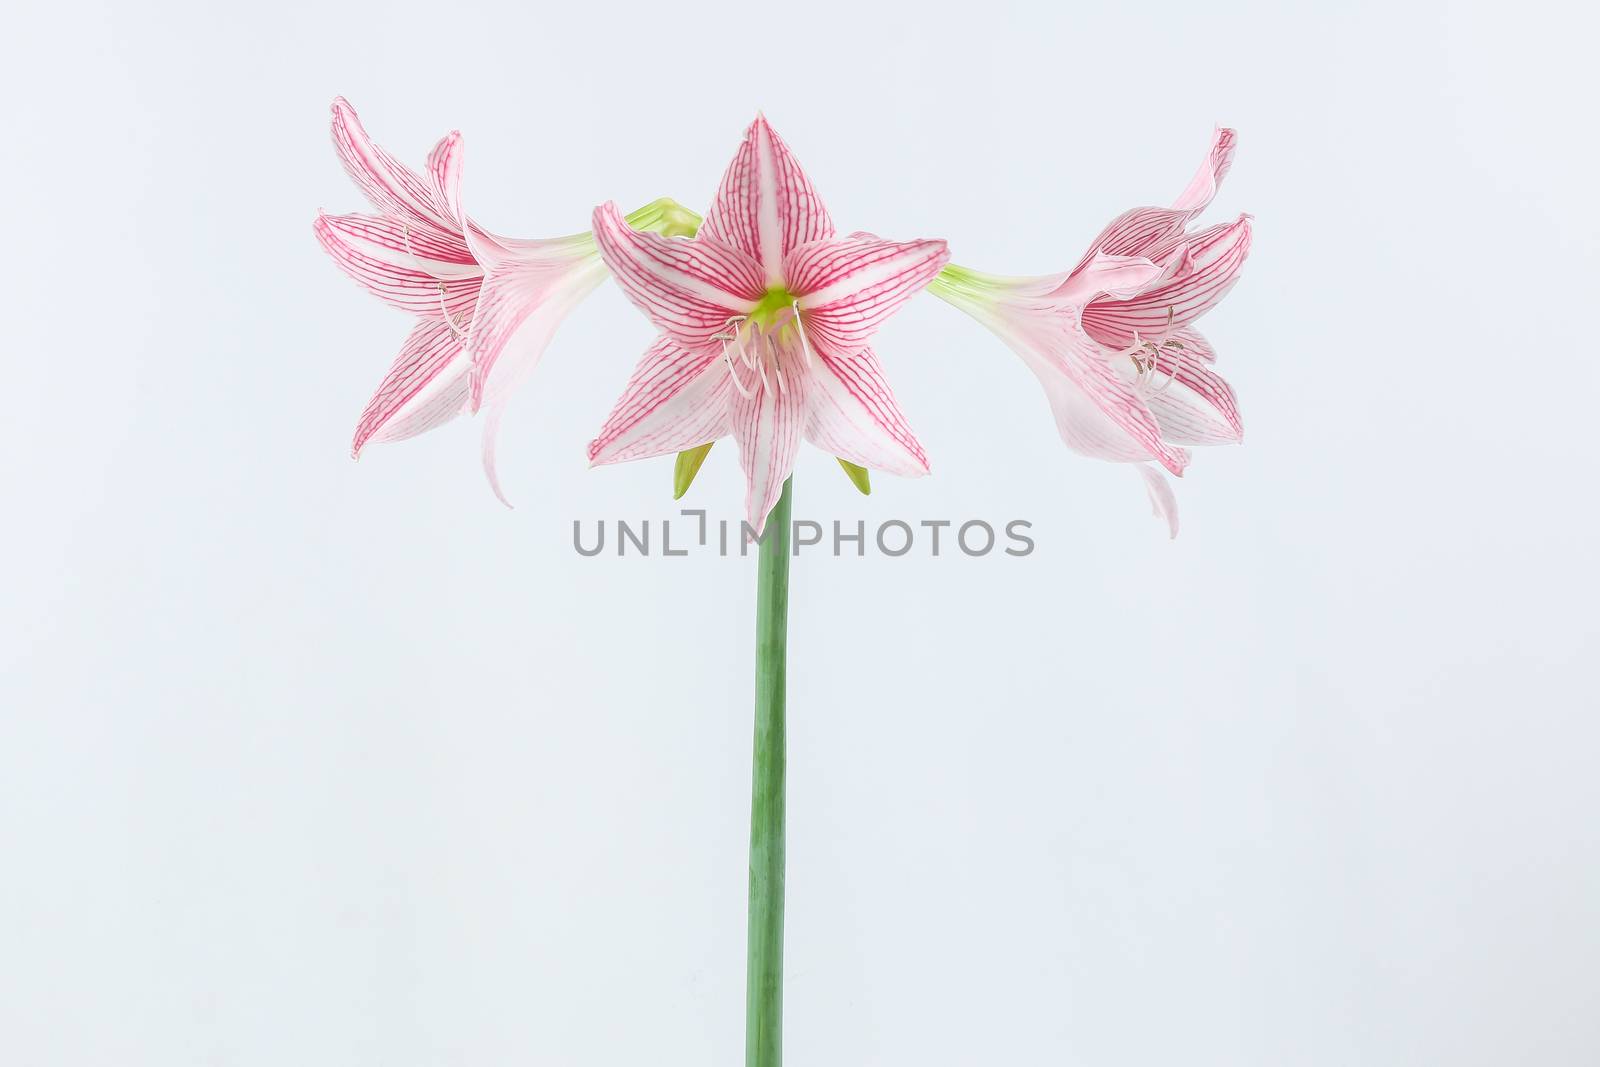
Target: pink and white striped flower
[[764, 317], [1112, 342], [486, 306]]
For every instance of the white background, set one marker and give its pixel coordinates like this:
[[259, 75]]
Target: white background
[[316, 763]]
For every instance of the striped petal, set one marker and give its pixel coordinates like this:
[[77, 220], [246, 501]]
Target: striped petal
[[847, 287], [426, 273], [391, 186], [767, 427], [688, 287], [426, 387], [677, 399], [1135, 232], [1203, 186], [766, 206], [853, 414], [1163, 502], [1213, 260], [526, 296], [1192, 403]]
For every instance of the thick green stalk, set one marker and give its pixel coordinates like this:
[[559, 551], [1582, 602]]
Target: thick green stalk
[[763, 1041]]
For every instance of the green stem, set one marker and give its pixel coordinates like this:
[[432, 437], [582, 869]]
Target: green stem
[[763, 1041]]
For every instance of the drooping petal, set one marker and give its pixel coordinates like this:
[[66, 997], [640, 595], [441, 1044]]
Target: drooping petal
[[431, 274], [391, 186], [426, 387], [677, 399], [1163, 502], [847, 287], [766, 206], [854, 415], [1098, 412], [1203, 186], [1214, 260], [525, 301], [1192, 402], [766, 426], [689, 287]]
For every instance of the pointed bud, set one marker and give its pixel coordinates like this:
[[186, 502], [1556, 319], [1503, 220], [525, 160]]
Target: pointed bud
[[687, 466], [858, 476]]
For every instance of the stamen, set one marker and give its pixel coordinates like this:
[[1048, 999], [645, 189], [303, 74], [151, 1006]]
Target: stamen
[[800, 327], [449, 320]]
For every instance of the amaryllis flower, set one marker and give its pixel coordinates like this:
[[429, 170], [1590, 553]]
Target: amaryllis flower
[[1112, 341], [486, 306], [765, 315]]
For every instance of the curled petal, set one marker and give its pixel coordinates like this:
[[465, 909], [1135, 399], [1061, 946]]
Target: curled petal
[[391, 186], [1116, 277], [1203, 186], [848, 287], [688, 287], [1213, 259], [444, 172], [1163, 502], [426, 387], [854, 415], [766, 206]]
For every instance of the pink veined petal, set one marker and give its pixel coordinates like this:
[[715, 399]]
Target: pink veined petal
[[689, 288], [1118, 277], [1195, 344], [767, 427], [854, 415], [1216, 257], [766, 206], [1134, 232], [510, 334], [848, 287], [1192, 402], [1163, 502], [542, 281], [373, 251], [391, 186], [676, 399], [444, 171], [426, 387], [1125, 428], [1203, 186]]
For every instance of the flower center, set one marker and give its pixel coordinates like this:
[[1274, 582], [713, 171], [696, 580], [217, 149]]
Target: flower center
[[757, 347]]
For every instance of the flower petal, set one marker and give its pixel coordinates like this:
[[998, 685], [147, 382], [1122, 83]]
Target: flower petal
[[847, 287], [426, 387], [766, 206], [677, 399], [526, 296], [1203, 186], [393, 187], [1192, 402], [688, 287], [1163, 502], [1214, 259], [854, 415], [767, 425], [427, 274], [1117, 277]]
